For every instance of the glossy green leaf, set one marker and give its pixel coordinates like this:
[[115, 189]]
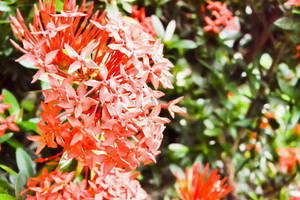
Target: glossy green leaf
[[29, 126], [6, 137], [11, 99], [8, 170], [24, 162]]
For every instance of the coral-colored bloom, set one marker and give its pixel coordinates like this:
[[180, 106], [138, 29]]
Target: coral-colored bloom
[[202, 186], [288, 158], [8, 122], [58, 185], [3, 106], [292, 3], [222, 17], [100, 70]]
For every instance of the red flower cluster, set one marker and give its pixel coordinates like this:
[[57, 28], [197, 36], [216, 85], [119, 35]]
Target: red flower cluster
[[288, 158], [222, 17], [7, 123], [58, 185], [292, 3], [101, 108], [201, 186]]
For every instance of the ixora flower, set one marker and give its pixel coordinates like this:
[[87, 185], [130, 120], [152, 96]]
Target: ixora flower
[[8, 122], [288, 158], [292, 3], [222, 17], [63, 186], [101, 108], [201, 186]]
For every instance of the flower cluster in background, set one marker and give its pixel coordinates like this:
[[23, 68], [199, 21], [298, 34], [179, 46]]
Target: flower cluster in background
[[221, 17]]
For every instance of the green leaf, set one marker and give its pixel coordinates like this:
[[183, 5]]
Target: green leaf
[[266, 61], [4, 7], [14, 143], [6, 137], [27, 64], [213, 132], [24, 162], [9, 2], [178, 150], [11, 99], [64, 163], [183, 44], [170, 30], [19, 185], [6, 197], [29, 126], [287, 23], [243, 122], [5, 187], [159, 28], [126, 6], [8, 170], [59, 4]]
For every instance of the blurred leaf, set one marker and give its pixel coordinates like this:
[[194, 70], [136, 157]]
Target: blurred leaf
[[176, 169], [213, 132], [170, 30], [5, 188], [4, 7], [6, 197], [287, 23], [19, 185], [178, 150], [8, 170], [6, 137], [9, 2], [266, 61], [160, 31], [183, 44], [14, 143], [11, 99], [59, 5], [24, 162], [126, 6]]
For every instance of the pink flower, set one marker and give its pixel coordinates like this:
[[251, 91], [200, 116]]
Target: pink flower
[[222, 17], [292, 3], [288, 158]]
